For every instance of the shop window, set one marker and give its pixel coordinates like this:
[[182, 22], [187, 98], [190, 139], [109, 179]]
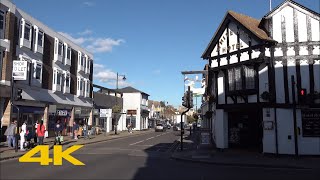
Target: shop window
[[241, 78]]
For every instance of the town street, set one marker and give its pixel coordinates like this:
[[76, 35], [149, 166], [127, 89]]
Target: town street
[[145, 156]]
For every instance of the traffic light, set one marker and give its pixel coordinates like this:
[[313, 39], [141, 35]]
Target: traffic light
[[302, 96], [184, 100], [190, 99], [18, 95]]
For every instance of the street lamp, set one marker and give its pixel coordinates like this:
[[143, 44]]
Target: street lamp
[[123, 78]]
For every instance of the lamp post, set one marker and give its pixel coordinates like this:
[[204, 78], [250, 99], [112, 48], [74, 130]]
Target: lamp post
[[124, 78], [115, 120]]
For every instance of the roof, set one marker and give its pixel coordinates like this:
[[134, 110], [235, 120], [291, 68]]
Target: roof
[[247, 22], [105, 101], [130, 89], [284, 3]]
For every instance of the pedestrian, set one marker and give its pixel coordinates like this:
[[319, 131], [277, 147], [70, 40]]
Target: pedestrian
[[35, 132], [85, 132], [58, 132], [75, 129], [40, 132], [23, 135], [10, 133]]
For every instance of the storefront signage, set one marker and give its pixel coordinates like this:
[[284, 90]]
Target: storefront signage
[[132, 112], [19, 70], [310, 123], [62, 112], [77, 110], [105, 112]]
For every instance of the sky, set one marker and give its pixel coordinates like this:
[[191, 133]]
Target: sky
[[149, 41]]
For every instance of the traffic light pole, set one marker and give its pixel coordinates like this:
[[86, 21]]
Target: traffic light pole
[[181, 124], [18, 114]]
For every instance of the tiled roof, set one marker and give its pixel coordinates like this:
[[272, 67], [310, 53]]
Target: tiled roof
[[251, 24], [130, 89]]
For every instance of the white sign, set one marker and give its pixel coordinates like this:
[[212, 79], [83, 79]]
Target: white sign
[[105, 112], [19, 70], [62, 112]]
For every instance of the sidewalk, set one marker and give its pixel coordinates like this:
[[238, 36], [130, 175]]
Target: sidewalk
[[192, 153], [8, 153]]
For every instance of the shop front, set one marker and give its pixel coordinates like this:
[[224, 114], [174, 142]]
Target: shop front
[[28, 114], [131, 118], [81, 115], [62, 115], [144, 119]]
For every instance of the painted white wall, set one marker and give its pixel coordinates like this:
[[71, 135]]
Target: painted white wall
[[221, 129], [276, 27], [280, 95], [285, 129], [315, 29], [287, 12], [307, 145], [133, 101], [302, 26], [269, 137], [305, 76], [221, 91], [263, 80]]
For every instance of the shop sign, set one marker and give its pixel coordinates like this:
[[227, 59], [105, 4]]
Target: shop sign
[[19, 70], [105, 112], [62, 112], [310, 123], [96, 112], [77, 110], [52, 108]]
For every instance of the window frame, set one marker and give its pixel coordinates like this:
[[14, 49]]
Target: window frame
[[36, 72], [24, 33], [67, 80], [42, 39], [69, 53], [60, 51], [3, 14], [59, 75], [241, 83]]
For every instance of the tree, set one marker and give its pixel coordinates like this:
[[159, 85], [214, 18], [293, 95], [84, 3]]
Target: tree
[[116, 110], [162, 104], [191, 119]]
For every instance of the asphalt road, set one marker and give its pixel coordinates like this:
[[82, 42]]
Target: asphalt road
[[144, 156]]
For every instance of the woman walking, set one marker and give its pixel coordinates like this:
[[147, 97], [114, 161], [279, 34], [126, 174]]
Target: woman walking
[[40, 132]]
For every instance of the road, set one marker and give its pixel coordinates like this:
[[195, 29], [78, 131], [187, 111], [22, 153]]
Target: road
[[145, 156]]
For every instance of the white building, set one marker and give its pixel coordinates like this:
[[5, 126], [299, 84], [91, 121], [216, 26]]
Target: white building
[[135, 103], [251, 63]]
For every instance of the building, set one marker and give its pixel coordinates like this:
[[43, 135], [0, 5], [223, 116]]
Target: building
[[154, 113], [135, 103], [104, 100], [253, 101], [58, 83]]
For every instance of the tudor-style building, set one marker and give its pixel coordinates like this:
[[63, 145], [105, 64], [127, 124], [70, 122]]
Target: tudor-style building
[[251, 67]]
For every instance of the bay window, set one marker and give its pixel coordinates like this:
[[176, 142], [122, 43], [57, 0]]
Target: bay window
[[241, 78], [27, 31]]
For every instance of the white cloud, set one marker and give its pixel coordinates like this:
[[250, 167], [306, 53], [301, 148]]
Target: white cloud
[[94, 45], [85, 32], [87, 3], [107, 76], [103, 45], [157, 71]]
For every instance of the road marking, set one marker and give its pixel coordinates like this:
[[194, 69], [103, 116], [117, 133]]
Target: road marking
[[150, 138], [136, 142]]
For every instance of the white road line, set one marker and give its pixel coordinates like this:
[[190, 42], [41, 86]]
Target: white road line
[[150, 138], [136, 142]]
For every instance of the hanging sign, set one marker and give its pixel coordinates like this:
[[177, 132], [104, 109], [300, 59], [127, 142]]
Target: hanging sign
[[19, 70]]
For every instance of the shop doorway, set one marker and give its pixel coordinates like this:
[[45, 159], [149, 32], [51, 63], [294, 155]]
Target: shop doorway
[[245, 130]]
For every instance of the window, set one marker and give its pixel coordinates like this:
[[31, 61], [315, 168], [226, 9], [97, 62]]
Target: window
[[250, 77], [2, 17], [67, 80], [88, 86], [83, 59], [54, 76], [58, 78], [40, 38], [69, 53], [27, 31], [235, 78], [38, 71], [81, 85], [60, 48]]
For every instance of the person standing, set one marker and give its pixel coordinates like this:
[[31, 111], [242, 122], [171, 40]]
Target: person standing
[[10, 133], [23, 135], [85, 132], [58, 132], [35, 132], [40, 132], [75, 129]]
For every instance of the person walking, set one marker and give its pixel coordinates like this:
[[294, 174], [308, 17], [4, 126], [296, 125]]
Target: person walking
[[85, 130], [10, 133], [75, 129], [35, 138], [40, 132], [58, 132]]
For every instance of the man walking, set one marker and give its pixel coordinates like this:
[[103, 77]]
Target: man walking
[[10, 133], [58, 132]]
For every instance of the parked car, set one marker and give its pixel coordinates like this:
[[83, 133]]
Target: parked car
[[160, 127], [176, 127], [168, 126]]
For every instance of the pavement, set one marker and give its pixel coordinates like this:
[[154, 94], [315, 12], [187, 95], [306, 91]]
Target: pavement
[[193, 152], [9, 153]]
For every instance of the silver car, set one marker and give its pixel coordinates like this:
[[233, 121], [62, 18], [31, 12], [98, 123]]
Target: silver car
[[160, 127]]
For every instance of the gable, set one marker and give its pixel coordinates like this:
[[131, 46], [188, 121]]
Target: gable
[[235, 26]]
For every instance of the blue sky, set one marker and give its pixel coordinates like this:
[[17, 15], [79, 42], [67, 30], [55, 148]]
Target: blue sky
[[149, 41]]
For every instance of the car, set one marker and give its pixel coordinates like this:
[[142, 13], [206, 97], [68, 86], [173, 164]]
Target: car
[[160, 127], [176, 127], [168, 126]]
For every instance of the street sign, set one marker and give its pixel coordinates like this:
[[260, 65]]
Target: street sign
[[105, 112], [19, 70]]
